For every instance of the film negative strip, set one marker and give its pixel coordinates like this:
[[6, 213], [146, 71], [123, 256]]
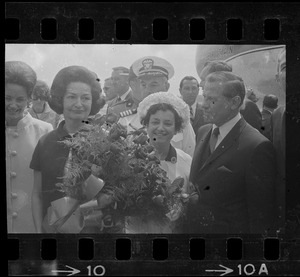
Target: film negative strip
[[249, 37]]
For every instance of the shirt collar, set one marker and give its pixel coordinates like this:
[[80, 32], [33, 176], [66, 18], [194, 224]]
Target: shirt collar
[[172, 155], [61, 131], [268, 110], [194, 107], [226, 127], [123, 96]]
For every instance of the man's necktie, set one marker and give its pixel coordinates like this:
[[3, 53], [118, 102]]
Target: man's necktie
[[214, 139], [191, 113]]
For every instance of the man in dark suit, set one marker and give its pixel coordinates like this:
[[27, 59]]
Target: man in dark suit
[[270, 103], [250, 110], [189, 91], [233, 166]]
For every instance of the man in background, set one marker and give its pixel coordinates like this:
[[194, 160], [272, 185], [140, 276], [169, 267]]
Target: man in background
[[189, 91], [110, 92], [270, 103], [120, 85], [250, 110]]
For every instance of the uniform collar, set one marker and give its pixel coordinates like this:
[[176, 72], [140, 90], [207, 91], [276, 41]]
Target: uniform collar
[[61, 131], [172, 155], [123, 96]]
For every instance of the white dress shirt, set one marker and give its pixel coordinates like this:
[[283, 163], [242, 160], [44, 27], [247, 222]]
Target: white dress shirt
[[226, 128]]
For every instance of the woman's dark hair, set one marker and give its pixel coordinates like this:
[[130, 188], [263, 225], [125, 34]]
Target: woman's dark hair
[[41, 90], [71, 74], [163, 107], [20, 73]]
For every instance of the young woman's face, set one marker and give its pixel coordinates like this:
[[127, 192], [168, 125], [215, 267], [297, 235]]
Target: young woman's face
[[16, 101], [161, 127], [38, 104], [77, 101]]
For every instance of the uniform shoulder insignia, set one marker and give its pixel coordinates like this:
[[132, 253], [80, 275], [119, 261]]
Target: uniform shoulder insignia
[[128, 112]]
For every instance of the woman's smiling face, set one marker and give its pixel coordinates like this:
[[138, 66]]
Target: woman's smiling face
[[16, 101], [161, 127]]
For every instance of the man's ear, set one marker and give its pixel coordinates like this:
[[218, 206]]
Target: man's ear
[[236, 102], [167, 86]]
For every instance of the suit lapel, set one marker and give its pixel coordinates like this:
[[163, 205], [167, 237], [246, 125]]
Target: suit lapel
[[227, 142], [202, 151], [197, 115]]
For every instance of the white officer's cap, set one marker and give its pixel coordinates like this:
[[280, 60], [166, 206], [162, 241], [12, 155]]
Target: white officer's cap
[[153, 66]]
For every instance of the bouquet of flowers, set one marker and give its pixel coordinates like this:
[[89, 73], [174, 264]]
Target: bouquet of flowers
[[133, 182]]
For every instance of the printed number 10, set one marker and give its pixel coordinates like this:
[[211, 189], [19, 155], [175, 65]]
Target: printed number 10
[[98, 270]]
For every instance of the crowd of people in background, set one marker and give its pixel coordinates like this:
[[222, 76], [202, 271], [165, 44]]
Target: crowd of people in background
[[222, 144]]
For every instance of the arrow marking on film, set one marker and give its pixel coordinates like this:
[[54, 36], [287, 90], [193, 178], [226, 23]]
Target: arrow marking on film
[[72, 271], [224, 271]]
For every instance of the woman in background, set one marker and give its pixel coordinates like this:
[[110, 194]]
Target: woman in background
[[40, 108], [22, 133]]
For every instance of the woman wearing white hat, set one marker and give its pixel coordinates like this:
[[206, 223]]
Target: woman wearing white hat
[[163, 115]]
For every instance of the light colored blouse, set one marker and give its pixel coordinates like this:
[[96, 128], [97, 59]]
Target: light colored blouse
[[20, 143], [48, 115]]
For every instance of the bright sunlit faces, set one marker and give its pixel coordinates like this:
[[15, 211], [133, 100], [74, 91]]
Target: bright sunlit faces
[[161, 127], [16, 101], [77, 101], [151, 84], [189, 91]]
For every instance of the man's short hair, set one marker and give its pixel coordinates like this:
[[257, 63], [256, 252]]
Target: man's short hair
[[188, 78], [232, 85], [214, 66], [270, 101]]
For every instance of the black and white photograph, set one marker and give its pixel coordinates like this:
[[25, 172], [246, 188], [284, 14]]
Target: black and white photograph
[[145, 139]]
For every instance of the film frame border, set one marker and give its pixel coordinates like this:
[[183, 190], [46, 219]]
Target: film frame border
[[178, 32]]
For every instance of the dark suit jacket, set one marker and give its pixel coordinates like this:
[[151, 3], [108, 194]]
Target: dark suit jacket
[[266, 124], [235, 183], [251, 114], [198, 119]]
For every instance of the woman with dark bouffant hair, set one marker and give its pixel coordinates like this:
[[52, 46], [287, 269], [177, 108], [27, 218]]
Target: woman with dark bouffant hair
[[75, 93], [22, 133]]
